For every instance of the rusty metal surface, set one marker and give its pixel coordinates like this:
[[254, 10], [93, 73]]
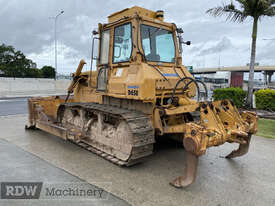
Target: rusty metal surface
[[140, 128], [190, 172], [242, 150], [142, 136]]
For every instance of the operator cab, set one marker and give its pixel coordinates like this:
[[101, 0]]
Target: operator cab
[[135, 35]]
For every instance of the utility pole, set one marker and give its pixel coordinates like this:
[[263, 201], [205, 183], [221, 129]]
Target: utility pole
[[55, 41]]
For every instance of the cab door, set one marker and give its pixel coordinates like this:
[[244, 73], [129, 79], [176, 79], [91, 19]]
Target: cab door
[[102, 78]]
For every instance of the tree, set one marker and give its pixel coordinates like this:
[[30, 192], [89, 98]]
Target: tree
[[34, 73], [14, 63], [48, 72], [247, 8]]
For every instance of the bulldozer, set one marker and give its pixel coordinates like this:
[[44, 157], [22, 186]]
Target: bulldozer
[[140, 90]]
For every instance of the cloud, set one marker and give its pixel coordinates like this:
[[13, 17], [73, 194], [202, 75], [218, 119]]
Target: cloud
[[26, 26], [267, 51], [220, 46]]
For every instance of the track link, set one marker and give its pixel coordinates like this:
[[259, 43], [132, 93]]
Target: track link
[[140, 126]]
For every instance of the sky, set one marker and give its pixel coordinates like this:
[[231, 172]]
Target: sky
[[215, 42]]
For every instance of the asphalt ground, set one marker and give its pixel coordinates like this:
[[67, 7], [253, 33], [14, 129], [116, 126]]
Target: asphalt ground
[[18, 165], [12, 106], [248, 180]]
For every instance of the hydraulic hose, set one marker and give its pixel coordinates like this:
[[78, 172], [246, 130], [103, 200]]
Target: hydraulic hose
[[205, 88], [185, 87], [191, 80]]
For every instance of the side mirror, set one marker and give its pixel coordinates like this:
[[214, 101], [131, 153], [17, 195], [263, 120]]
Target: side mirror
[[182, 42], [95, 32], [179, 30], [188, 43]]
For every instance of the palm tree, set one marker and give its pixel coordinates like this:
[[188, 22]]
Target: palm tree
[[247, 8]]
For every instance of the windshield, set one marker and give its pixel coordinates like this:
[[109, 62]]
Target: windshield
[[158, 44]]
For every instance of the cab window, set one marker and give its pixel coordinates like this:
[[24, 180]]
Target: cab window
[[104, 49], [122, 43], [102, 78], [158, 44]]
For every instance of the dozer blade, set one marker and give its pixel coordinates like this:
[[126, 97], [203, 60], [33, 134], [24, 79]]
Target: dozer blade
[[242, 150], [190, 172]]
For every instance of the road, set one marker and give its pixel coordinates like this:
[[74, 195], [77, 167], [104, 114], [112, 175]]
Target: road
[[12, 106], [18, 165], [248, 180]]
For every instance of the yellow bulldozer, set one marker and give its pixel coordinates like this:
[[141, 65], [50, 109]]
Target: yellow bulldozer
[[139, 91]]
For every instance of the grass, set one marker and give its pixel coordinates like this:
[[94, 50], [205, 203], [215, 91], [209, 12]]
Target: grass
[[266, 128]]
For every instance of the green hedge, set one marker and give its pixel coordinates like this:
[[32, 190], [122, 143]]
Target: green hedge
[[237, 95], [265, 99]]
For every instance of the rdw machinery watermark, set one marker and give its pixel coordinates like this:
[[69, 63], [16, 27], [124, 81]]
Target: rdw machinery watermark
[[20, 190], [52, 191]]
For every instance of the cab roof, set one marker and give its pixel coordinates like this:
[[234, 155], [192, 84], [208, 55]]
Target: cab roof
[[130, 12]]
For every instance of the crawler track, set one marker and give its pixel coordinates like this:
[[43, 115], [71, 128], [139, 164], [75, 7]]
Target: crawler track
[[142, 135]]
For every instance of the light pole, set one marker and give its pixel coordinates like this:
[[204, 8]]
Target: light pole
[[55, 41]]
